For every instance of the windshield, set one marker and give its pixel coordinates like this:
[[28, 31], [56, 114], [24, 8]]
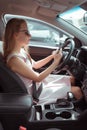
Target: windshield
[[76, 16]]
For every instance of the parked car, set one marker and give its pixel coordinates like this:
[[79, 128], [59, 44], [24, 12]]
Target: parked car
[[52, 24]]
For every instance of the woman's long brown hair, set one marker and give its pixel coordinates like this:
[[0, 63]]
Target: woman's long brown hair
[[12, 26]]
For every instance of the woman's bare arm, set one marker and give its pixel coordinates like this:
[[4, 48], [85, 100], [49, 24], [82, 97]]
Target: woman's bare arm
[[42, 62], [19, 66]]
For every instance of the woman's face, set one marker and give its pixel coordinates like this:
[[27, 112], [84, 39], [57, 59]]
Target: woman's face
[[23, 36]]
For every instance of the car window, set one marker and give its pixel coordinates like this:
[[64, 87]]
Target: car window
[[76, 16], [44, 34]]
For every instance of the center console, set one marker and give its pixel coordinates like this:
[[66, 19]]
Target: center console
[[18, 109], [54, 115], [54, 112]]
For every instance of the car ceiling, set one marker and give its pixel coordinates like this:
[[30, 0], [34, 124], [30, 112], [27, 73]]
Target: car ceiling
[[37, 8], [46, 10]]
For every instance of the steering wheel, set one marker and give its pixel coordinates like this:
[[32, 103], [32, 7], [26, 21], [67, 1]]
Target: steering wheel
[[66, 56]]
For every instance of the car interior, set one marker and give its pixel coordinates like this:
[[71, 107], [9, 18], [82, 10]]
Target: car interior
[[17, 107]]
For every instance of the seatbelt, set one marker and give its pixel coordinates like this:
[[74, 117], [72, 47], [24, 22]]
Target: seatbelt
[[36, 93]]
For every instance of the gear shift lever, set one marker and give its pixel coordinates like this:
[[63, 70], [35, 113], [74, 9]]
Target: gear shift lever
[[70, 96]]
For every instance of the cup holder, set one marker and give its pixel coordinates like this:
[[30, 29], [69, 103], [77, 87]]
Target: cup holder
[[50, 115], [63, 114]]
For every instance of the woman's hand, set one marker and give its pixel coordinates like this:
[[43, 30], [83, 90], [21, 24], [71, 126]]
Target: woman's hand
[[56, 52], [57, 56]]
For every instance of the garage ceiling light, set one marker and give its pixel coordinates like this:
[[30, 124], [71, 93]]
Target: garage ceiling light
[[51, 4], [44, 3]]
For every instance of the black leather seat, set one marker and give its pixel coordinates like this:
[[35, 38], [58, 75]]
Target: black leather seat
[[9, 81], [1, 127]]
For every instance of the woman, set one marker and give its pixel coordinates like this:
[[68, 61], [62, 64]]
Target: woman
[[16, 39]]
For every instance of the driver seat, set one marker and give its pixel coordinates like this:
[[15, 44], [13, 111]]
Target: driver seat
[[11, 83]]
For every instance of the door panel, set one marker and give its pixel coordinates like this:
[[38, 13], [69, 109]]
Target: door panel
[[38, 53]]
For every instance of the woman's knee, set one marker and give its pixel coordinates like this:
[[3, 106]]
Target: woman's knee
[[77, 92]]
